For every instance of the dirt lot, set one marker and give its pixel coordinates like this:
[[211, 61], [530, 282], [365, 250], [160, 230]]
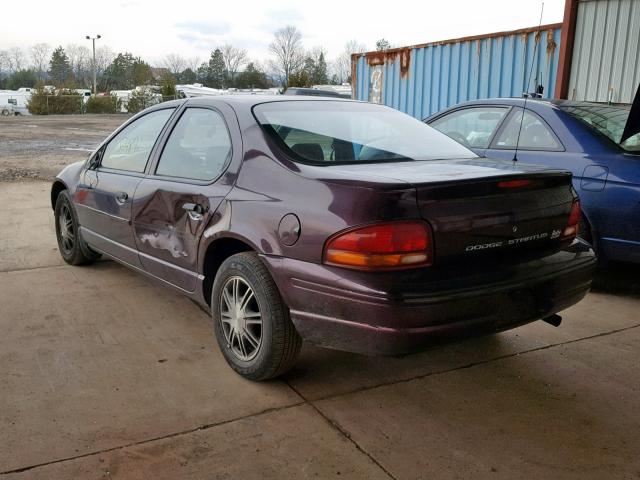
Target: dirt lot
[[37, 147], [105, 374]]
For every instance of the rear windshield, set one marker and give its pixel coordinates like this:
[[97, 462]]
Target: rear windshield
[[608, 120], [330, 132]]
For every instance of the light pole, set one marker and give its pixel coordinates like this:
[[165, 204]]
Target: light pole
[[93, 39]]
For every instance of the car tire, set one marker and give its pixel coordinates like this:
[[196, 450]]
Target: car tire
[[251, 321], [5, 112], [73, 248]]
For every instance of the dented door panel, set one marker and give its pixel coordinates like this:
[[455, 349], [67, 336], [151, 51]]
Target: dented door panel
[[167, 229]]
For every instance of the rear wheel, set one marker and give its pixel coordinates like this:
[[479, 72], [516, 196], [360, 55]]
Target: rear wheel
[[251, 322], [72, 247]]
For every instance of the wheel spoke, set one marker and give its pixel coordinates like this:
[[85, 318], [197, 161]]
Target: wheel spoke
[[243, 348], [246, 298], [252, 340], [235, 291], [227, 299]]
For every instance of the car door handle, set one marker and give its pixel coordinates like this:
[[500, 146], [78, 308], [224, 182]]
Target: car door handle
[[122, 197], [194, 210]]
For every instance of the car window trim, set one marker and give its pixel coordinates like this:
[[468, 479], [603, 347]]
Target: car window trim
[[514, 111], [480, 105], [104, 146], [166, 135]]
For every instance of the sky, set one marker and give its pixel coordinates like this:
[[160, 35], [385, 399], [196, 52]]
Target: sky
[[192, 28]]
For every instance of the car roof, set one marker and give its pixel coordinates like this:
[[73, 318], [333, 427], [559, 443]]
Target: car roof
[[251, 100], [519, 101]]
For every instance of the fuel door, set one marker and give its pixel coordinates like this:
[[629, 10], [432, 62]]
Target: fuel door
[[594, 178]]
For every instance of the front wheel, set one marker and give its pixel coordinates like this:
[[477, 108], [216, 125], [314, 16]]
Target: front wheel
[[72, 247], [251, 322]]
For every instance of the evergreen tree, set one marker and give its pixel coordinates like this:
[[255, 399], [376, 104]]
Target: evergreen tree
[[319, 76], [308, 70], [59, 68], [168, 84], [141, 72], [188, 76], [21, 78], [216, 74], [202, 74], [127, 72], [252, 77]]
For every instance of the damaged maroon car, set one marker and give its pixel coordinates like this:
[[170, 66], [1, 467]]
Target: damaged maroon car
[[346, 224]]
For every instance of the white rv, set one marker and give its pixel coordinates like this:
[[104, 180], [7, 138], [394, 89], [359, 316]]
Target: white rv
[[14, 102]]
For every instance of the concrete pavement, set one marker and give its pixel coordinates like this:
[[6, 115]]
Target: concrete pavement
[[104, 374]]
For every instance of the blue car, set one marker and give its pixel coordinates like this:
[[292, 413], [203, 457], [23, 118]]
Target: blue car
[[582, 137]]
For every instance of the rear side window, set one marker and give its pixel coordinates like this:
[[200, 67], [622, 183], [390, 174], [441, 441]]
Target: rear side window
[[130, 149], [472, 127], [199, 146], [534, 135]]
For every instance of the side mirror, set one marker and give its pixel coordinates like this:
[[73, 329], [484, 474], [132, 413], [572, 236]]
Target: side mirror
[[94, 161]]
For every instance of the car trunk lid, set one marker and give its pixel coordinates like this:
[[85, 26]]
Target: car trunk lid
[[513, 212]]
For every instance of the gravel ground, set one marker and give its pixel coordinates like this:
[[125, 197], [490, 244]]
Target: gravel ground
[[38, 147]]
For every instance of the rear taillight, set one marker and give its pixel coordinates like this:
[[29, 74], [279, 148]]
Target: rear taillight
[[382, 246], [571, 230]]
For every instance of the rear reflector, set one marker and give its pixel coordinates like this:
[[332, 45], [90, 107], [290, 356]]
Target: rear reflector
[[382, 246], [571, 230]]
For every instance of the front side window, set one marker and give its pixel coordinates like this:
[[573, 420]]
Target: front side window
[[199, 146], [471, 127], [333, 132], [130, 149], [534, 134]]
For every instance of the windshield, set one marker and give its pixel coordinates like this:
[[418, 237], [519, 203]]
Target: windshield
[[328, 132], [609, 120]]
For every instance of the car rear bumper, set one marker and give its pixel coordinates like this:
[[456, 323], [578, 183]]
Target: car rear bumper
[[401, 312]]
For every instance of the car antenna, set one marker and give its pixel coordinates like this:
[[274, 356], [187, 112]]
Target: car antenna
[[526, 95]]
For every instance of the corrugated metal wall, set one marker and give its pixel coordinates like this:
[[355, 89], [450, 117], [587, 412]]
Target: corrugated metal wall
[[423, 79], [605, 65]]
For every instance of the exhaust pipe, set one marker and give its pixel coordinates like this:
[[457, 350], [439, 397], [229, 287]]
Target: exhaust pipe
[[554, 320]]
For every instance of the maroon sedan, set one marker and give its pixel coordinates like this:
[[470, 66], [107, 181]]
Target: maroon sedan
[[350, 225]]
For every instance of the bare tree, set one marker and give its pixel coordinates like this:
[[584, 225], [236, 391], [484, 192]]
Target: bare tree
[[79, 60], [287, 49], [17, 58], [193, 63], [40, 58], [5, 61], [234, 59], [104, 56], [342, 65], [175, 63]]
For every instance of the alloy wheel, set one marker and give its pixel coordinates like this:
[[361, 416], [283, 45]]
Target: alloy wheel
[[240, 318], [66, 228]]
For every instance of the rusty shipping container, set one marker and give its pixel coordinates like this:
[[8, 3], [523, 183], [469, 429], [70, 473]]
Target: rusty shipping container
[[422, 79]]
